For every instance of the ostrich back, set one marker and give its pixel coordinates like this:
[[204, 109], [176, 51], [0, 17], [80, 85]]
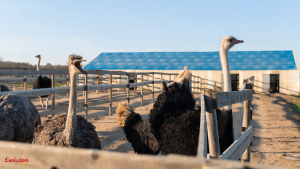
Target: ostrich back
[[175, 122], [139, 134], [50, 132], [42, 82], [172, 102], [4, 88], [179, 135], [18, 118]]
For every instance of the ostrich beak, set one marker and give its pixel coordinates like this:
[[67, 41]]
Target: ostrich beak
[[237, 41], [78, 66]]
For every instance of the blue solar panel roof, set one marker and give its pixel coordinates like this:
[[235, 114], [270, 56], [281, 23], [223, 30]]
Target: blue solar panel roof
[[238, 60]]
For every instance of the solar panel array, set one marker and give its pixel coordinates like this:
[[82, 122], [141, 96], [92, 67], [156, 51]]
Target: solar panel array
[[238, 60]]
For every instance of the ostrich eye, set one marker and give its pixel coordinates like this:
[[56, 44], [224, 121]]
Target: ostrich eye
[[230, 40]]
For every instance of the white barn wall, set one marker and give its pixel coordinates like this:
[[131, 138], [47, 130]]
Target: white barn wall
[[288, 79]]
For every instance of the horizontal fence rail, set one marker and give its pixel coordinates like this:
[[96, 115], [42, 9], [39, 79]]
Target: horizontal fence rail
[[102, 79], [64, 90], [237, 149], [51, 157], [66, 72], [240, 148]]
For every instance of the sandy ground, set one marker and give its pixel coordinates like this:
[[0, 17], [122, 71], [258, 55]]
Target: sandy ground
[[276, 138]]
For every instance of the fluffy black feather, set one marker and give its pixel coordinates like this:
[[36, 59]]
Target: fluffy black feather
[[172, 102], [42, 82], [138, 133], [225, 128], [175, 122], [4, 88], [179, 135]]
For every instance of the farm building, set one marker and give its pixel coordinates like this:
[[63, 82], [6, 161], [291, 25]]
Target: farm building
[[273, 71]]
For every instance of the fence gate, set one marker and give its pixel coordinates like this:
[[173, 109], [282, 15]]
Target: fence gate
[[266, 83]]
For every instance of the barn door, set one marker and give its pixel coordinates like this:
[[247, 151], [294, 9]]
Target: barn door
[[266, 83]]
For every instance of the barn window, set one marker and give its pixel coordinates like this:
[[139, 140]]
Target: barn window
[[235, 82]]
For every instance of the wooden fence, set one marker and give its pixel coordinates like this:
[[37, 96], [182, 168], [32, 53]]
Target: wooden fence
[[85, 88], [56, 157], [50, 157], [55, 76], [209, 125]]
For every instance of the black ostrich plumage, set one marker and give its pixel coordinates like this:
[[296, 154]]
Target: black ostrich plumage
[[42, 82], [175, 122], [137, 131], [4, 88], [173, 125], [139, 135]]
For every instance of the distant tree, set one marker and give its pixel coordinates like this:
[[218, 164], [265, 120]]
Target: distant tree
[[27, 65]]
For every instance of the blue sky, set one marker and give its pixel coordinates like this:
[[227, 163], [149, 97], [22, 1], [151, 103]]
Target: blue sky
[[57, 28]]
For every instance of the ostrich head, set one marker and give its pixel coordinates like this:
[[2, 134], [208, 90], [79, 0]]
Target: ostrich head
[[38, 64], [183, 79], [228, 42], [74, 64]]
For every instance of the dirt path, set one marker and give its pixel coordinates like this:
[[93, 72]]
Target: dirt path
[[276, 131]]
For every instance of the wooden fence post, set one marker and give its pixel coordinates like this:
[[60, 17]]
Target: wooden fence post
[[161, 85], [128, 89], [251, 106], [246, 124], [110, 96], [86, 96], [135, 81], [246, 120], [147, 86], [25, 82], [67, 80], [199, 82], [202, 143], [153, 87], [120, 81], [212, 128], [97, 82], [53, 86], [142, 80], [193, 83], [68, 84], [14, 87]]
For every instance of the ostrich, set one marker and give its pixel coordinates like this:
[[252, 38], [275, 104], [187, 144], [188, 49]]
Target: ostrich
[[175, 122], [137, 131], [42, 82], [140, 132], [18, 118], [4, 88], [69, 130]]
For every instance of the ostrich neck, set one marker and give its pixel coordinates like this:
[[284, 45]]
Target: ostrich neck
[[71, 124], [226, 72], [38, 65]]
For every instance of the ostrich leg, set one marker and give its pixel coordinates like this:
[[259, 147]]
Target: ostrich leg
[[41, 100], [47, 102]]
